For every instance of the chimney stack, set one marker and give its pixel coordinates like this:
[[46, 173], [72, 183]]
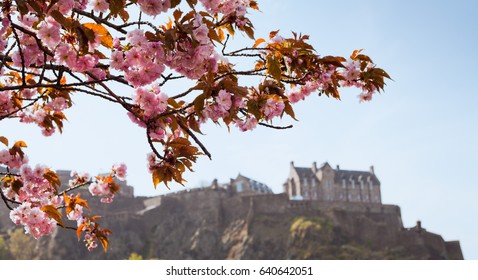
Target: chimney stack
[[372, 170], [338, 167], [314, 167], [292, 164]]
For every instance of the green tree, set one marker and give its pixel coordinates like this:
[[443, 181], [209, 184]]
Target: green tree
[[22, 246], [4, 253]]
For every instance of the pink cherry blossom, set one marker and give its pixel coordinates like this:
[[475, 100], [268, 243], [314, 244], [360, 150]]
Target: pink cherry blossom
[[154, 7], [223, 99], [273, 108], [99, 5], [120, 171], [49, 34]]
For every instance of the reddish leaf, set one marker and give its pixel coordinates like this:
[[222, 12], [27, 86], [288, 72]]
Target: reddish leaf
[[273, 68], [53, 179], [4, 140], [53, 213], [101, 31], [61, 19], [79, 230], [158, 177], [258, 42]]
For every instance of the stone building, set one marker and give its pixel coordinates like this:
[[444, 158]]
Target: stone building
[[243, 185], [332, 185]]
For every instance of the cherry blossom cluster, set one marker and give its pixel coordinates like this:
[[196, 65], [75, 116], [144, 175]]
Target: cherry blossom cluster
[[14, 161], [142, 62], [236, 8], [35, 193], [195, 55], [36, 222], [154, 7]]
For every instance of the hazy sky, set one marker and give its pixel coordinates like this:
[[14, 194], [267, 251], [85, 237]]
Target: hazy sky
[[421, 134]]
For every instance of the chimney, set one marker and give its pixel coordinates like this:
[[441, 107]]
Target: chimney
[[291, 164], [372, 170], [338, 167], [215, 185], [314, 167]]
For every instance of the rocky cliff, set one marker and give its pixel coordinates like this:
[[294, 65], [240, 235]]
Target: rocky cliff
[[210, 223]]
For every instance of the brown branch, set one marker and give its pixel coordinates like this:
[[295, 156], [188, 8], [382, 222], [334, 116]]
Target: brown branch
[[151, 145], [275, 127], [99, 20], [190, 133], [255, 72], [5, 200], [169, 77], [184, 93], [75, 187], [17, 39]]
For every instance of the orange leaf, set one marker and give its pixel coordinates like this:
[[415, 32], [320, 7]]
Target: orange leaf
[[158, 177], [79, 230], [4, 140], [52, 178], [20, 144], [104, 242], [53, 213], [101, 31], [258, 42]]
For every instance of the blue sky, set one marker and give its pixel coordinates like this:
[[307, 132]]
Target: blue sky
[[421, 134]]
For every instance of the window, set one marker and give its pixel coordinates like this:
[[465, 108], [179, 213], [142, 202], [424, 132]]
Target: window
[[350, 197], [328, 184], [344, 184], [353, 184], [239, 187], [370, 185], [305, 182], [314, 183], [361, 185]]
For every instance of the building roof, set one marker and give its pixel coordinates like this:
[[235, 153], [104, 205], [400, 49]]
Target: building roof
[[346, 174], [255, 185], [304, 172], [307, 172]]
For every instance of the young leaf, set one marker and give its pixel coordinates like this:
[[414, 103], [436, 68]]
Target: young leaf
[[101, 31], [258, 42], [53, 213], [53, 179], [4, 140], [273, 68]]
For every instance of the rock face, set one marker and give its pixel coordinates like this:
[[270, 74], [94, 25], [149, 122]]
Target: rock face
[[210, 223]]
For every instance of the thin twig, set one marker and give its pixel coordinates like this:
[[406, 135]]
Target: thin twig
[[275, 127], [190, 133], [151, 145]]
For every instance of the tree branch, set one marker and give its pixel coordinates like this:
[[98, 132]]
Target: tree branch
[[190, 133]]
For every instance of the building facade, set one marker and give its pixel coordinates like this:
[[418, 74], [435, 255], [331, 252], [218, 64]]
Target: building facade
[[332, 185], [243, 185]]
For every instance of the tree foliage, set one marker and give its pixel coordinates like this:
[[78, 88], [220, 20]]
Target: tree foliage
[[124, 52]]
